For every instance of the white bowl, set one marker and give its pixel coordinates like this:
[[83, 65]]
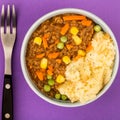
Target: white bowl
[[33, 28]]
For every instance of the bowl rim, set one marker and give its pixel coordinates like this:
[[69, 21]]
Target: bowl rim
[[33, 28]]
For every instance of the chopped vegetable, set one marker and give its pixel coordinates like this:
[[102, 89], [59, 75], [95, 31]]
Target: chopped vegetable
[[77, 39], [64, 29], [58, 61], [60, 45], [60, 79], [81, 53], [38, 40], [89, 47], [97, 28], [64, 97], [86, 22], [40, 75], [69, 46], [49, 72], [63, 39], [66, 59], [47, 88], [43, 63], [53, 55], [45, 37], [56, 42], [50, 67], [76, 58], [51, 82], [74, 17], [49, 76], [74, 30], [57, 96], [40, 55]]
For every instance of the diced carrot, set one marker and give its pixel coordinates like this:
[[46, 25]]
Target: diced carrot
[[45, 37], [64, 29], [40, 55], [74, 17], [76, 58], [58, 61], [49, 72], [53, 55], [89, 47], [69, 47], [57, 41], [86, 22], [50, 67], [40, 75]]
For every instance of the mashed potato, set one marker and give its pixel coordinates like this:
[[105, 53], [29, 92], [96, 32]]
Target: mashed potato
[[88, 75]]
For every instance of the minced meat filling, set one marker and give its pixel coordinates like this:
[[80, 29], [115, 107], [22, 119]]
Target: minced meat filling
[[53, 45]]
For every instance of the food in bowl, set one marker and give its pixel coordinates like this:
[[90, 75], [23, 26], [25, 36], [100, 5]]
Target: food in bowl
[[69, 57]]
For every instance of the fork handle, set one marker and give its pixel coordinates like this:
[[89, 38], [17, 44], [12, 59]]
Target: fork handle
[[7, 102]]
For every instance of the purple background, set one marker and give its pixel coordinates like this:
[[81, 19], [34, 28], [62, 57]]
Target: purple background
[[27, 105]]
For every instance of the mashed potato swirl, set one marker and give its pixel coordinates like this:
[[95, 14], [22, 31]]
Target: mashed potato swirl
[[88, 75]]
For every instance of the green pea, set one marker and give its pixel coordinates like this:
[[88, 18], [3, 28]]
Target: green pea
[[60, 45], [49, 76], [64, 97], [47, 88], [57, 96], [63, 39], [51, 82], [97, 28]]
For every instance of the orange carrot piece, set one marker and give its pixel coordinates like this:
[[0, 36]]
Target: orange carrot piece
[[49, 72], [50, 67], [40, 75], [74, 17], [89, 47], [45, 37], [76, 58], [69, 47], [58, 61], [40, 55], [86, 22], [64, 29], [57, 41], [53, 55]]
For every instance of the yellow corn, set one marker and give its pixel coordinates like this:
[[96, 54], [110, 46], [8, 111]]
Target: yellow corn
[[81, 53], [77, 39], [74, 30], [43, 63], [66, 59], [38, 40], [60, 79]]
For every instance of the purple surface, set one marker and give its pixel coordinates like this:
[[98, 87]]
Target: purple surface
[[27, 105]]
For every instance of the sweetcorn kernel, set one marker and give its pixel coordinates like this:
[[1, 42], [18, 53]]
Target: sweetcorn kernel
[[81, 53], [60, 79], [38, 40], [74, 30], [77, 39], [66, 59], [43, 63]]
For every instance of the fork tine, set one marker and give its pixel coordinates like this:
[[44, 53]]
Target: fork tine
[[13, 19], [2, 19], [8, 19]]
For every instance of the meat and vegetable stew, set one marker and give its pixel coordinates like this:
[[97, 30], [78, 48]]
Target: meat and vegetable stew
[[53, 46]]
